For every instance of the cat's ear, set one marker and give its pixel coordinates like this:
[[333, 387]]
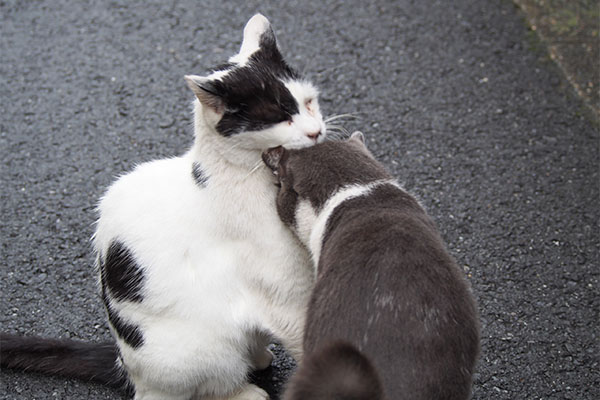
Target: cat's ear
[[273, 157], [358, 137], [257, 33], [206, 92]]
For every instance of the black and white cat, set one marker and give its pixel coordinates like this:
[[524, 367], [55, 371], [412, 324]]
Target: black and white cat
[[197, 272], [391, 315]]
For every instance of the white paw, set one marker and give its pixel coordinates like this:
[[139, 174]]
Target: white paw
[[263, 359], [251, 392]]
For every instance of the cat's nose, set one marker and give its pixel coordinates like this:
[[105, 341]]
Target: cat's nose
[[314, 135]]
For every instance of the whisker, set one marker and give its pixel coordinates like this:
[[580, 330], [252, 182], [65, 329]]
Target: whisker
[[338, 135], [339, 116], [258, 165], [232, 148], [337, 131], [331, 126], [337, 128]]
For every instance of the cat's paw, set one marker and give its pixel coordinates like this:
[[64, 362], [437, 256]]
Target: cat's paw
[[251, 392], [263, 359]]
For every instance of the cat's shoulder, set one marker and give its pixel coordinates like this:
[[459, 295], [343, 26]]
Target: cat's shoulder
[[149, 182], [151, 174]]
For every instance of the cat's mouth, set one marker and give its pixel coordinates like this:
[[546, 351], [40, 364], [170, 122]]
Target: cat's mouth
[[314, 136]]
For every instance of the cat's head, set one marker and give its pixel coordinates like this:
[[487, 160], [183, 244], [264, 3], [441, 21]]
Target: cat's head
[[308, 177], [256, 99]]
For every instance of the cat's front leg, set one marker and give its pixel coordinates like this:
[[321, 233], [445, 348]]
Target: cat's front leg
[[249, 392], [259, 340], [262, 358]]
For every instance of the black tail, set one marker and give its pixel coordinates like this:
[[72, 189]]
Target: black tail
[[336, 371], [92, 362]]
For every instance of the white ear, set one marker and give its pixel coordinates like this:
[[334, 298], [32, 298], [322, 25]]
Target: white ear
[[254, 29], [205, 91]]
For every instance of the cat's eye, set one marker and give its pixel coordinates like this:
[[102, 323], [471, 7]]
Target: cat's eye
[[309, 104]]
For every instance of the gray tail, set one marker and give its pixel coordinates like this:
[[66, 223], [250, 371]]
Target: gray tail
[[92, 362], [336, 371]]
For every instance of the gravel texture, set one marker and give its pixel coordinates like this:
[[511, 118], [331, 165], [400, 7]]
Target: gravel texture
[[461, 102]]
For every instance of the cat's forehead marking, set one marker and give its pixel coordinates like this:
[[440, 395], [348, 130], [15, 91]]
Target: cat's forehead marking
[[301, 90]]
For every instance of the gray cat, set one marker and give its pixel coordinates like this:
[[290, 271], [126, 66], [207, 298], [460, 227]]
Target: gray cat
[[391, 315]]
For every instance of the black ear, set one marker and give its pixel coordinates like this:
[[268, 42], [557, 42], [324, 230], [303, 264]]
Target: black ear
[[206, 92], [268, 40], [273, 157]]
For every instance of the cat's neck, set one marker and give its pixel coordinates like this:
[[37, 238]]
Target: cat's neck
[[321, 222], [215, 151]]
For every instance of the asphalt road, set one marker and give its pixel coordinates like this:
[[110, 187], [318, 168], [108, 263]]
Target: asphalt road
[[461, 102]]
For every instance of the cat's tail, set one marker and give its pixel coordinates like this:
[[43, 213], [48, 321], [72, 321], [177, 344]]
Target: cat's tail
[[336, 371], [92, 362]]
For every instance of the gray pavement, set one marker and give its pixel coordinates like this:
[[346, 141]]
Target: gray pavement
[[460, 101]]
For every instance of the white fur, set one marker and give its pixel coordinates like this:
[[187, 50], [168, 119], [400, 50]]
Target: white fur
[[306, 96], [255, 27], [306, 218], [218, 263], [311, 225]]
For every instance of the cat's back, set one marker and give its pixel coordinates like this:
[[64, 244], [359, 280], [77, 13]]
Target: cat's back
[[149, 182], [197, 230], [387, 244], [149, 199], [409, 299]]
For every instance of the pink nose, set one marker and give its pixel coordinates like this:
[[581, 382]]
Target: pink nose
[[314, 135]]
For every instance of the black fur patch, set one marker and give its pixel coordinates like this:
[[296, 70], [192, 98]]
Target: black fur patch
[[123, 276], [198, 174], [254, 95], [130, 333]]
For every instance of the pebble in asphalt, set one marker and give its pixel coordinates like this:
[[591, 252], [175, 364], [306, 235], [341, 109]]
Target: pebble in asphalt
[[458, 101]]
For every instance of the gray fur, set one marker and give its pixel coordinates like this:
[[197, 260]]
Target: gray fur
[[386, 283]]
